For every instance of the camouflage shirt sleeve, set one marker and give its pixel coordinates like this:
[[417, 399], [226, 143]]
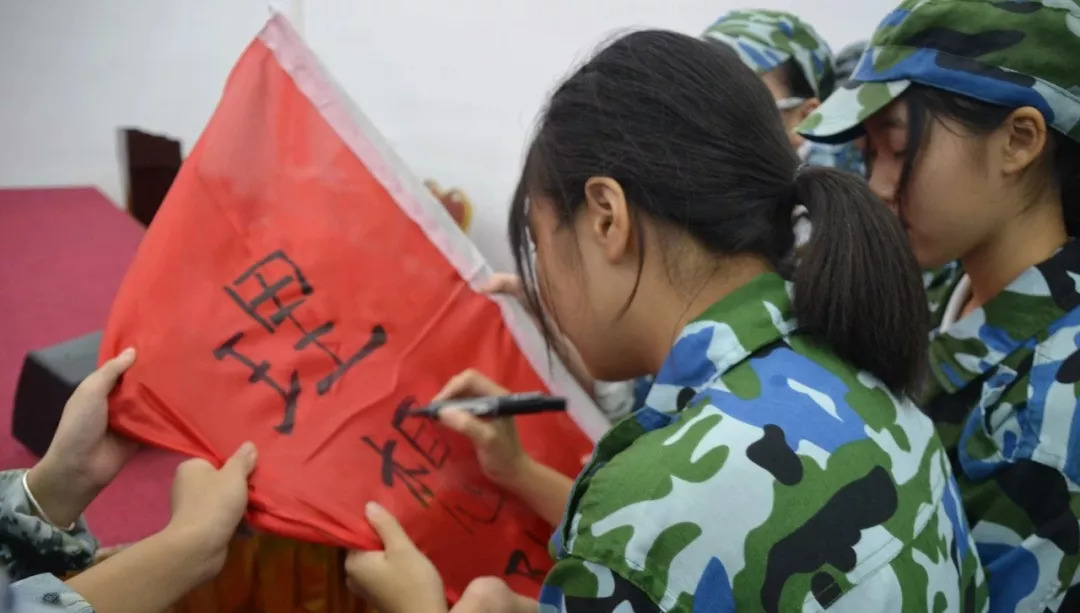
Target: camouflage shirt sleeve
[[28, 545], [578, 586], [40, 594], [1027, 533]]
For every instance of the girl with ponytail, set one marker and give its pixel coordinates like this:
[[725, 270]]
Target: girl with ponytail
[[778, 463]]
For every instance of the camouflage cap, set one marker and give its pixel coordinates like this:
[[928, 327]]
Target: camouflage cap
[[1012, 53], [847, 59], [766, 39]]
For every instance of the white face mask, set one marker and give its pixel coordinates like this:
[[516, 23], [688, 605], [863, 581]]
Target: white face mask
[[787, 104], [804, 150]]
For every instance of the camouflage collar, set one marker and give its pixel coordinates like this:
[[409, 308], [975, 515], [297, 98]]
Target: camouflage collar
[[729, 331], [1015, 318], [753, 316]]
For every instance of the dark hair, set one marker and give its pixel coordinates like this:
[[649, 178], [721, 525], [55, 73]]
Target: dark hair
[[799, 86], [695, 141], [979, 117]]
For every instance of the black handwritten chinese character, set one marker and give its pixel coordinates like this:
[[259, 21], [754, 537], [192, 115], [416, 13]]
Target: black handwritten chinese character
[[377, 339], [311, 337], [420, 434], [290, 282], [392, 472], [259, 374], [519, 564], [285, 311], [270, 291]]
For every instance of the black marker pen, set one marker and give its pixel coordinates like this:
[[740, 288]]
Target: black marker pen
[[496, 406]]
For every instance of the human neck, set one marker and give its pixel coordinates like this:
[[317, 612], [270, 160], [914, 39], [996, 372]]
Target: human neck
[[1025, 241], [670, 308]]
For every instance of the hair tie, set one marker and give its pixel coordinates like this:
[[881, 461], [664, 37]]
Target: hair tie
[[800, 216], [799, 169]]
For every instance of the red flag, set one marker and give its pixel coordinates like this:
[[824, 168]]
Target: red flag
[[300, 289]]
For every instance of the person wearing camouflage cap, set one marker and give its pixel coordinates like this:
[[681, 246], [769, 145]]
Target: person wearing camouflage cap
[[778, 463], [43, 535], [971, 109], [847, 59], [796, 65]]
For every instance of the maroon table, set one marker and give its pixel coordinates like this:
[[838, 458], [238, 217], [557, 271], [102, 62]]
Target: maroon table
[[63, 253]]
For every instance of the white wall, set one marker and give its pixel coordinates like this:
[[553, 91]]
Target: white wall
[[455, 86]]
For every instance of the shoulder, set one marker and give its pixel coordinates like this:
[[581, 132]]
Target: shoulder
[[821, 404], [1043, 431], [790, 455]]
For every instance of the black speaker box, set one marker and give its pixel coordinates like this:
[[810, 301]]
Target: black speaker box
[[49, 376]]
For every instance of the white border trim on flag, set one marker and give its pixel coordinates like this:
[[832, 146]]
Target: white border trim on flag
[[416, 201]]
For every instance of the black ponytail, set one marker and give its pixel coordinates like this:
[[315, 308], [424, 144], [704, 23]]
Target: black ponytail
[[857, 286], [697, 144]]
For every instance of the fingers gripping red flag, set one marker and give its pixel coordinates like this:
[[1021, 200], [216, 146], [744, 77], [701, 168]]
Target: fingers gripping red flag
[[300, 289]]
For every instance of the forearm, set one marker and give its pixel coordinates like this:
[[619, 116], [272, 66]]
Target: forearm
[[148, 576], [62, 500], [544, 489]]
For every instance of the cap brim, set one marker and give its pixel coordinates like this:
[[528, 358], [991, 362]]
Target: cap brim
[[839, 119]]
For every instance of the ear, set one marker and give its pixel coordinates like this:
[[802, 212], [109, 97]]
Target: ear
[[607, 217], [808, 107], [1023, 139]]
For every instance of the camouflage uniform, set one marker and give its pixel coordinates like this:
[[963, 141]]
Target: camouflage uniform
[[764, 40], [764, 474], [33, 553], [1004, 391], [1004, 395]]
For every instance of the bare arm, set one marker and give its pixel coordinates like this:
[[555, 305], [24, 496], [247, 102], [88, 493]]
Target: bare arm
[[151, 575], [544, 489], [158, 571], [499, 451]]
